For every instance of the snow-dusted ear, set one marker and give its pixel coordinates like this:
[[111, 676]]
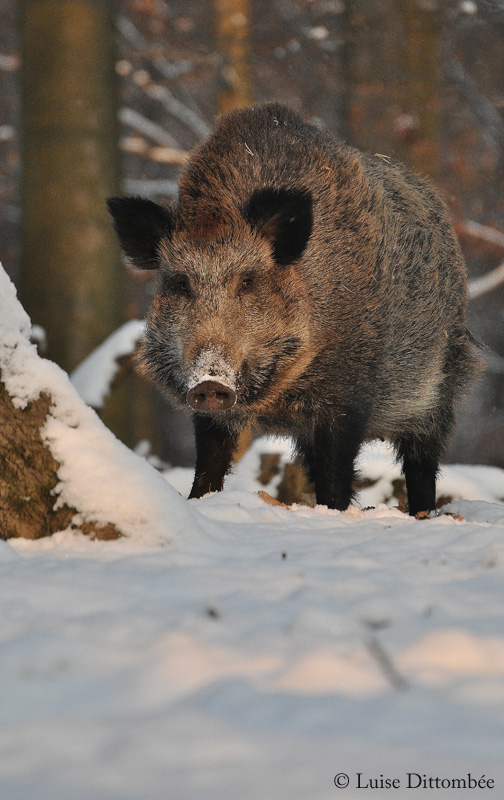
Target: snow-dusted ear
[[284, 217], [140, 225]]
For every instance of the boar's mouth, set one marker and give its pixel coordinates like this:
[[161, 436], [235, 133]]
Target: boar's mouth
[[256, 379], [252, 382]]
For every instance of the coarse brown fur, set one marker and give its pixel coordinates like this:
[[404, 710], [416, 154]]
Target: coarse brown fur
[[312, 290]]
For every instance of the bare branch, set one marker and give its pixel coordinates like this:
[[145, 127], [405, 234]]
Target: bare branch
[[166, 68], [150, 188], [478, 231], [128, 116], [162, 155], [487, 283], [189, 118], [192, 119], [482, 108], [167, 155], [131, 33]]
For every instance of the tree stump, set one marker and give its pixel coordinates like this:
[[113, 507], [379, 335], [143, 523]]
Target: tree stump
[[29, 503]]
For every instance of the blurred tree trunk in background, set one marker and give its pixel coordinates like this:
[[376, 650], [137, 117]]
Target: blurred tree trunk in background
[[372, 71], [392, 69], [71, 282], [232, 22], [422, 62]]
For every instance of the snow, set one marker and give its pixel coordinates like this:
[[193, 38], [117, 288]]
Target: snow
[[256, 659], [211, 365], [93, 377], [225, 648]]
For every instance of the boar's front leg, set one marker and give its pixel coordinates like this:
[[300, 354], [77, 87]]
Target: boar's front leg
[[420, 485], [215, 446], [330, 456], [420, 460]]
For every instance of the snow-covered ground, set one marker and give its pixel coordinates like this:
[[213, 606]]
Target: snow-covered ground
[[227, 649]]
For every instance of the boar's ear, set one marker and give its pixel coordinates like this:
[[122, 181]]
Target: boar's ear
[[284, 217], [140, 225]]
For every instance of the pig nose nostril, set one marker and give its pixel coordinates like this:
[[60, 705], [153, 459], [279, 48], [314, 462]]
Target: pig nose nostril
[[211, 396]]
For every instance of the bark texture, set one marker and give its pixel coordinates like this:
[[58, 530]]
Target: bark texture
[[29, 504], [71, 277]]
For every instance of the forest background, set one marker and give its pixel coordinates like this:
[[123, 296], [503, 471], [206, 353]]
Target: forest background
[[102, 97]]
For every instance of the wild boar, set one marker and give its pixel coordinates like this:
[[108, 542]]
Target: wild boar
[[306, 289]]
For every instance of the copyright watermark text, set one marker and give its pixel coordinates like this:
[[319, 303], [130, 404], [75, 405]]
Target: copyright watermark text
[[412, 780]]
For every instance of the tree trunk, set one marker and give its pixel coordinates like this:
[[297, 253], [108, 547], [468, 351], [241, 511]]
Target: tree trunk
[[28, 472], [393, 76], [71, 275], [423, 81], [70, 279], [232, 28], [29, 476]]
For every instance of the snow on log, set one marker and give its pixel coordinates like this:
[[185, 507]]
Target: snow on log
[[93, 378], [60, 467]]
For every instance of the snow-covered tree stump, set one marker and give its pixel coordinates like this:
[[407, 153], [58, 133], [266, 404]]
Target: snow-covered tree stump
[[60, 467], [28, 472], [29, 502]]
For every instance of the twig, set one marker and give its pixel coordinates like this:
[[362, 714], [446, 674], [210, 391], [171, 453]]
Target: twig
[[488, 116], [495, 277], [386, 665], [128, 116], [162, 155], [478, 231], [150, 188], [166, 68], [190, 118], [177, 109], [487, 282]]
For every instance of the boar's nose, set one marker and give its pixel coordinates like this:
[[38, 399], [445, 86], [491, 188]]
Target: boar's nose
[[211, 396]]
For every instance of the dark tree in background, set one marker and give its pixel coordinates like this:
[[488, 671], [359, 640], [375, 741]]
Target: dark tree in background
[[70, 280], [419, 81], [232, 24]]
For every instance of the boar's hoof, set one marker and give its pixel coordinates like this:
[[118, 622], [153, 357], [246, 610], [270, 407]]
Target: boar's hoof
[[211, 396]]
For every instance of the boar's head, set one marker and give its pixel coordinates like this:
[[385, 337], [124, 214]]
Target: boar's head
[[229, 327]]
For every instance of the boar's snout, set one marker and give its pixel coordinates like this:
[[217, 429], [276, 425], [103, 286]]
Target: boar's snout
[[211, 396]]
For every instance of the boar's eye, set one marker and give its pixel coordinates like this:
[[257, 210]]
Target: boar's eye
[[246, 284], [179, 284]]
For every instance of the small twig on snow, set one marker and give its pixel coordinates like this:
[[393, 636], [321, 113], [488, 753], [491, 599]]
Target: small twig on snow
[[386, 664]]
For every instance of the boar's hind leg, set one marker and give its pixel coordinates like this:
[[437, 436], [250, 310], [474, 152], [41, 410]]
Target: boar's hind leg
[[330, 456], [214, 452], [420, 460]]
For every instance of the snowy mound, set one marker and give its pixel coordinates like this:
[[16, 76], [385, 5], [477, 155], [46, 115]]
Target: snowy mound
[[99, 476]]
